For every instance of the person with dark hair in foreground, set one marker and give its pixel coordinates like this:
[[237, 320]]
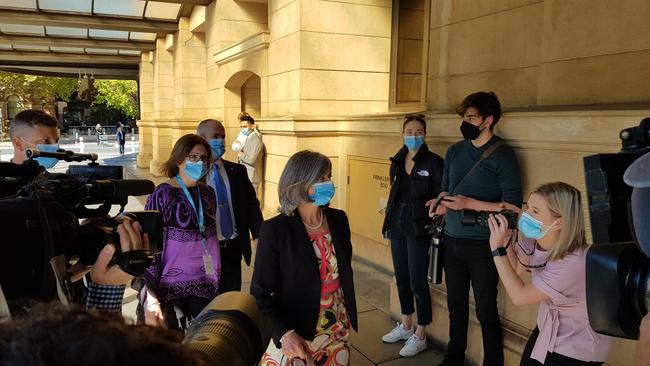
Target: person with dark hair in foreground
[[53, 334]]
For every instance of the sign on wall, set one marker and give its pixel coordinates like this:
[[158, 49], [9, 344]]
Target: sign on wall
[[368, 188]]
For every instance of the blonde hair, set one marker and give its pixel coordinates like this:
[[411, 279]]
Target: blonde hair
[[563, 200]]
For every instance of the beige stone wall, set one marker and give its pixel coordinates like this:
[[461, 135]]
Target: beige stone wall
[[316, 74], [538, 53]]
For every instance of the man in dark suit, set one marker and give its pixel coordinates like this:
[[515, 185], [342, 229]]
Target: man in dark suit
[[238, 210]]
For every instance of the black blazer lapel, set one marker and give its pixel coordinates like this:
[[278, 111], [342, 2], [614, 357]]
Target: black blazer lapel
[[304, 245]]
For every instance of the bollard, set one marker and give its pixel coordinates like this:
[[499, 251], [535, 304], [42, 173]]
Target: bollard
[[76, 135], [132, 144], [81, 144]]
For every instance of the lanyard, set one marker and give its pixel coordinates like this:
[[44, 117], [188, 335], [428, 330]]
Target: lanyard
[[200, 211]]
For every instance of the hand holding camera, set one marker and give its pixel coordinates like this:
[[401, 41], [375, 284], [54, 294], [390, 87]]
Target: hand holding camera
[[103, 271], [500, 230]]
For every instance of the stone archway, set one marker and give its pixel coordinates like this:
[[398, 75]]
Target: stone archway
[[242, 92]]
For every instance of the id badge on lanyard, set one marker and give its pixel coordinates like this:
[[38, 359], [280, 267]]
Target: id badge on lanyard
[[208, 263]]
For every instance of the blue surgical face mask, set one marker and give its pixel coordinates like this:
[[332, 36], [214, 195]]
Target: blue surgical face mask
[[194, 170], [47, 163], [245, 131], [413, 143], [218, 147], [533, 228], [323, 193]]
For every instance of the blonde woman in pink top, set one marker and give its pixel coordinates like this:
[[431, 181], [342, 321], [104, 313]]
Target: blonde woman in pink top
[[553, 248]]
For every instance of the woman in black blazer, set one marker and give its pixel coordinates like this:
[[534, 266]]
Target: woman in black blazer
[[310, 301]]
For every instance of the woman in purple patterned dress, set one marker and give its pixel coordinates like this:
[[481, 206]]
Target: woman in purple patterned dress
[[184, 276]]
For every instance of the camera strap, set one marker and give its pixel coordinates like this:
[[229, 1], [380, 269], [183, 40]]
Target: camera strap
[[486, 154]]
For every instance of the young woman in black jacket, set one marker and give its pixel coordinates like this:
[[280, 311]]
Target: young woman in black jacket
[[415, 175]]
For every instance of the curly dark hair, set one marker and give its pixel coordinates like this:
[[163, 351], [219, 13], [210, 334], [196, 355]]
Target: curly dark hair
[[487, 104], [53, 334]]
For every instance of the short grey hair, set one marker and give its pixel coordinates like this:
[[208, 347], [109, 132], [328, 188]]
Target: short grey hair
[[304, 169]]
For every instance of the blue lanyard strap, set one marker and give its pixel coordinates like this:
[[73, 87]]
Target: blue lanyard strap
[[200, 211]]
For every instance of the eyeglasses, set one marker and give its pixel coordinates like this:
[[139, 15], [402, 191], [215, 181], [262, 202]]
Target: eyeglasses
[[196, 158]]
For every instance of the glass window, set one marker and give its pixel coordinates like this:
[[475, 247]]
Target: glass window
[[129, 53], [141, 36], [76, 6], [133, 8], [66, 32], [29, 4], [162, 10], [28, 47], [102, 33], [101, 51], [66, 49], [21, 29], [409, 50]]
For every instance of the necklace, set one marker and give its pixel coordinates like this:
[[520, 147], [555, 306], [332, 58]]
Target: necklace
[[320, 223]]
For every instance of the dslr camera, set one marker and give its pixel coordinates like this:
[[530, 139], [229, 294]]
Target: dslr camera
[[480, 218]]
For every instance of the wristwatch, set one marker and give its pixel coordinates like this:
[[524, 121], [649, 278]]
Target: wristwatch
[[500, 252]]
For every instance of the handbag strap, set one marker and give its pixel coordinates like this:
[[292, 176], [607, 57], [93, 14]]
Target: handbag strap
[[486, 154]]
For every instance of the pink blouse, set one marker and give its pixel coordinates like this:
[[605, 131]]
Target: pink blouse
[[562, 319]]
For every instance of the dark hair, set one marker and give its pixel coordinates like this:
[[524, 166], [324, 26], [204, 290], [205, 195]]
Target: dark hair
[[243, 116], [415, 117], [181, 149], [54, 334], [31, 118], [486, 103]]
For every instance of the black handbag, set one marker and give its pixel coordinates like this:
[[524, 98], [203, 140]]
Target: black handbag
[[436, 229]]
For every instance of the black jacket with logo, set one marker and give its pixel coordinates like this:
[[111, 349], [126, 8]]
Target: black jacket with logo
[[426, 178]]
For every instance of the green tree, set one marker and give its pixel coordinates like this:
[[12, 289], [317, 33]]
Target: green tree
[[119, 94], [38, 86]]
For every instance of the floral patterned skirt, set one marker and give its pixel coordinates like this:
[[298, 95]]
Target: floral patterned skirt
[[330, 346]]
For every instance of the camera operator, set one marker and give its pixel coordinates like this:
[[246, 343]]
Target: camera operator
[[554, 249], [34, 129], [108, 281], [482, 174]]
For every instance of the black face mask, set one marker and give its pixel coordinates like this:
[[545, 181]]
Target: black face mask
[[469, 131]]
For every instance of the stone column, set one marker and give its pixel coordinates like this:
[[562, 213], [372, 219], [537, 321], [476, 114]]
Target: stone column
[[146, 111], [163, 105]]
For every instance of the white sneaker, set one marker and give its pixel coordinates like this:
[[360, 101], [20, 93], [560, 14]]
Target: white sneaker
[[413, 346], [397, 334]]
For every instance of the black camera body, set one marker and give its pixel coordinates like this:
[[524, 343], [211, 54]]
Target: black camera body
[[618, 270], [480, 218], [42, 236]]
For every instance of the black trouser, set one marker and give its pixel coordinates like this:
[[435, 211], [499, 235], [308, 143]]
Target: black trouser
[[411, 261], [230, 266], [469, 261], [552, 358], [121, 148]]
